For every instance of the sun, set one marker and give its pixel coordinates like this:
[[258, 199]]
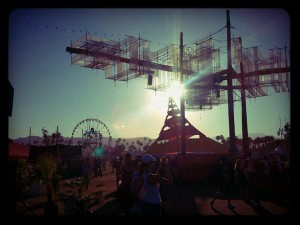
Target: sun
[[175, 91], [159, 99]]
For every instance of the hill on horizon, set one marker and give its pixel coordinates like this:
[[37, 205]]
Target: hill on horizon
[[25, 140], [254, 135]]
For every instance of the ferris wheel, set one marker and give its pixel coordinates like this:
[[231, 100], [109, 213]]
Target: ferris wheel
[[91, 131]]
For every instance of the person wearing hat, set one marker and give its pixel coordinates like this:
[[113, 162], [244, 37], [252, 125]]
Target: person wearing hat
[[151, 183]]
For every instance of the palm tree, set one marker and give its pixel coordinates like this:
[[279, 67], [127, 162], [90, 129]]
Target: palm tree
[[141, 145], [264, 140], [61, 140], [272, 138], [46, 140], [46, 168], [35, 142], [250, 141], [70, 142], [287, 131], [238, 141], [287, 135], [257, 141], [57, 138], [118, 141], [219, 137], [227, 141]]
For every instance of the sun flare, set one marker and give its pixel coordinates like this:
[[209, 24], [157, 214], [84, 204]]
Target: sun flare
[[159, 99]]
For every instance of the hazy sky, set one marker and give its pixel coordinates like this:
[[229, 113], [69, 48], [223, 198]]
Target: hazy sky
[[50, 92]]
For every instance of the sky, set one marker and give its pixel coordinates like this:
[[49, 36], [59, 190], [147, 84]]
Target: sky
[[50, 92]]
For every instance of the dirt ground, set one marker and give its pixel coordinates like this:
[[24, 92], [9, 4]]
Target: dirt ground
[[183, 198]]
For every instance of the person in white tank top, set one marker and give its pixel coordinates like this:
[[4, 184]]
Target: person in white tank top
[[151, 183]]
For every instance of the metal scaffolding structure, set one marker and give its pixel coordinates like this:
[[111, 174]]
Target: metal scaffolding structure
[[197, 65], [260, 72], [205, 81]]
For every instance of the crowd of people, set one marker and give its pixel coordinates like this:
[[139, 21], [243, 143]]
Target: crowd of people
[[145, 175], [148, 177], [252, 172]]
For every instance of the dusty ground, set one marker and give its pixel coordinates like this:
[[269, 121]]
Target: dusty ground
[[184, 198]]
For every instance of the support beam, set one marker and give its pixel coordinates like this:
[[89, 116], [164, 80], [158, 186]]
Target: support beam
[[263, 72], [244, 115], [230, 91], [138, 62], [182, 108]]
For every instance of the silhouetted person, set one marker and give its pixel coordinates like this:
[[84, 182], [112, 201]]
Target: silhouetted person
[[225, 183], [87, 168], [280, 150], [98, 166], [243, 182], [118, 166], [127, 168]]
